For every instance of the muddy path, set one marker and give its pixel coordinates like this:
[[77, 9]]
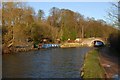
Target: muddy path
[[110, 62]]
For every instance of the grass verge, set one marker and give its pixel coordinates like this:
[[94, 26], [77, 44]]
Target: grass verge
[[92, 67], [66, 45]]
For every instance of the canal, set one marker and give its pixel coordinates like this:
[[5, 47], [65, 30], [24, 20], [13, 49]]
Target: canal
[[46, 63]]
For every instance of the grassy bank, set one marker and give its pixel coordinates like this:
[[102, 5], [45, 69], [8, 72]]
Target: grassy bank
[[92, 67], [67, 45]]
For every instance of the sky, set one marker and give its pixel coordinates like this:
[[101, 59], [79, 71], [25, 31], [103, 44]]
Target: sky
[[60, 0], [98, 10]]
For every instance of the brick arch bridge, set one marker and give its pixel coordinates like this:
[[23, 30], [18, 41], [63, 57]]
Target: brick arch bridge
[[90, 41]]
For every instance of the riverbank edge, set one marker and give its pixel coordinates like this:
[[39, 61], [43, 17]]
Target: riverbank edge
[[72, 45], [14, 49], [85, 71], [26, 49], [17, 50]]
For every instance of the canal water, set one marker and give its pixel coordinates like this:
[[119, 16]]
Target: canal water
[[46, 63]]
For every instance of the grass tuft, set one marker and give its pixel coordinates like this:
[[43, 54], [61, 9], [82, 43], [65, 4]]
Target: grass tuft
[[92, 67]]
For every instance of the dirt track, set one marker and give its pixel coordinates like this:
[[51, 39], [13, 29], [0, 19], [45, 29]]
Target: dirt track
[[110, 62]]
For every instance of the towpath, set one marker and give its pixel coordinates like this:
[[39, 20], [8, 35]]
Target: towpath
[[110, 62]]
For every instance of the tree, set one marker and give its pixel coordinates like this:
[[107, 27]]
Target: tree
[[40, 14], [80, 24], [16, 16], [114, 14], [54, 17], [19, 23]]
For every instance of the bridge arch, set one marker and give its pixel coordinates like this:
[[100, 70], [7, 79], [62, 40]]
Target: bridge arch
[[90, 41], [93, 41]]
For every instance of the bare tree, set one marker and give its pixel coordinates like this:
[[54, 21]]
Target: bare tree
[[114, 14], [40, 14]]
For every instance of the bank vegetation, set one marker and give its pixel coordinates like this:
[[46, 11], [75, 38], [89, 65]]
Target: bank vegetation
[[22, 26], [92, 67]]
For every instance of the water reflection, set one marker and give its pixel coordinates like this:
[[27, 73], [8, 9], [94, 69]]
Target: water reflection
[[49, 63]]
